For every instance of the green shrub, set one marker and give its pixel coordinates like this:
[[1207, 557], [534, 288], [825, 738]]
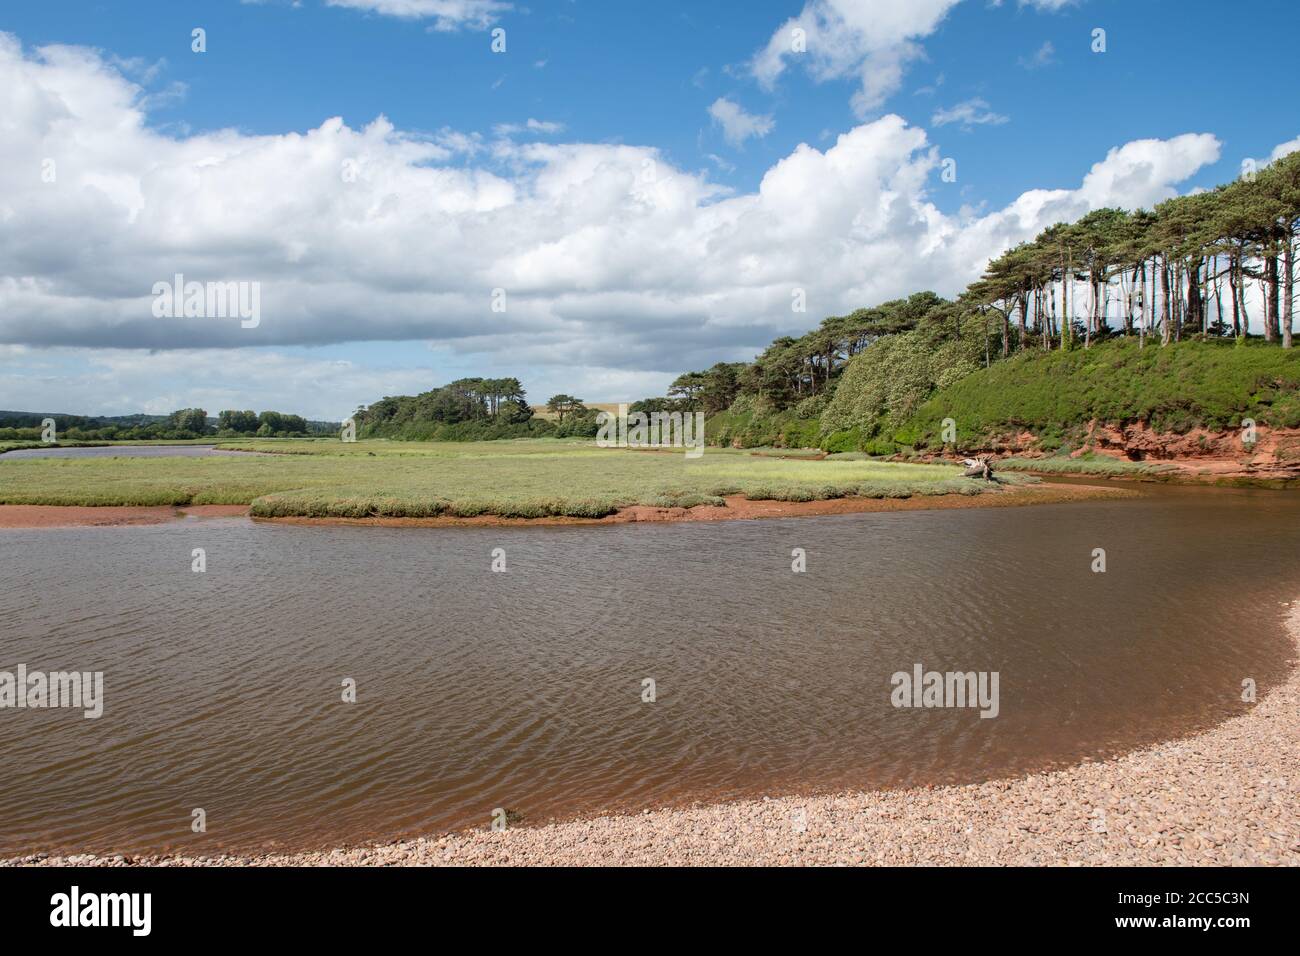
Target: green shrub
[[811, 409], [844, 441], [887, 382]]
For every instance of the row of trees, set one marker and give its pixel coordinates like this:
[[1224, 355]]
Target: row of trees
[[473, 409], [1206, 264], [791, 370], [193, 422], [709, 391], [464, 400], [232, 422], [184, 423]]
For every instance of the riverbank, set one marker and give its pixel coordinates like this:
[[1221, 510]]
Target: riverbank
[[71, 516], [736, 508], [1228, 796], [1198, 457]]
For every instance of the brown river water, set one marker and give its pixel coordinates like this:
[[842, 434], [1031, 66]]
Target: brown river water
[[523, 690]]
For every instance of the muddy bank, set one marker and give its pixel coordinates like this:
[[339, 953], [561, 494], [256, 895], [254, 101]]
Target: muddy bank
[[737, 508], [1198, 455], [61, 516]]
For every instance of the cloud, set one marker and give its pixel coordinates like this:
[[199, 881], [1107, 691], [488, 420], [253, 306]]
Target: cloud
[[1045, 55], [1281, 149], [544, 127], [846, 38], [1051, 6], [124, 381], [737, 125], [1285, 149], [1143, 172], [447, 15], [972, 112], [873, 42], [721, 163], [931, 88], [617, 266]]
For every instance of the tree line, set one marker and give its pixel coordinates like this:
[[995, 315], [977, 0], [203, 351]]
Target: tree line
[[473, 409], [1205, 265], [793, 370], [1188, 267], [263, 424], [464, 400], [182, 424]]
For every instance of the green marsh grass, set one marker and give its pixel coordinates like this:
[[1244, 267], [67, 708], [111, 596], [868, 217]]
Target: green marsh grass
[[526, 479], [1088, 464]]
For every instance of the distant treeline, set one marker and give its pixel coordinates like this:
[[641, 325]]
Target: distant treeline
[[804, 370], [183, 424], [473, 409], [266, 424]]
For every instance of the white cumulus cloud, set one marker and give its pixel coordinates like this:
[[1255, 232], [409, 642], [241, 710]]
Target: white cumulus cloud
[[543, 127], [972, 112], [615, 264], [873, 42], [737, 125], [445, 14], [1285, 149]]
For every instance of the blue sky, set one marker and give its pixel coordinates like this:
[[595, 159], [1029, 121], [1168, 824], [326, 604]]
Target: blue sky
[[646, 73], [1040, 111]]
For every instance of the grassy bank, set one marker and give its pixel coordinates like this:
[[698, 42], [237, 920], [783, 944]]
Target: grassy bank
[[1047, 401], [1087, 464], [1212, 385], [408, 479], [23, 445]]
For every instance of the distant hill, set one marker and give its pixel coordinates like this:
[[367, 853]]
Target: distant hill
[[13, 419], [541, 411]]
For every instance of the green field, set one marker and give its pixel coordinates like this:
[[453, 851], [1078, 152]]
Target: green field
[[528, 479]]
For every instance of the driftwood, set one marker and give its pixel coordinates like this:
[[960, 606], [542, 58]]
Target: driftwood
[[978, 468]]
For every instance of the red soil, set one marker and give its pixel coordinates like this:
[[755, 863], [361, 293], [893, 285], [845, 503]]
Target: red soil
[[57, 516]]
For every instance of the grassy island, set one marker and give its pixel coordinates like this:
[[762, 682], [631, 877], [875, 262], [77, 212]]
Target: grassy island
[[525, 479]]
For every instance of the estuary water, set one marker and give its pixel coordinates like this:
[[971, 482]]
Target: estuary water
[[123, 451], [527, 689]]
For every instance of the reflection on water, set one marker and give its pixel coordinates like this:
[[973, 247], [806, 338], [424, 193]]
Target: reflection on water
[[478, 690], [121, 451]]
